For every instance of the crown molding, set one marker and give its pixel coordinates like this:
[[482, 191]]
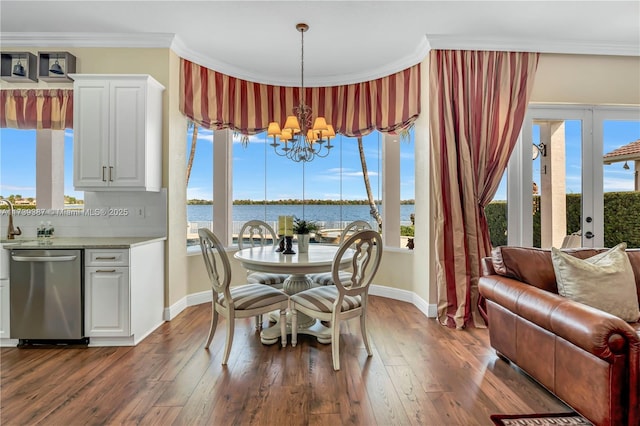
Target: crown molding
[[415, 57], [522, 45], [132, 40], [175, 43]]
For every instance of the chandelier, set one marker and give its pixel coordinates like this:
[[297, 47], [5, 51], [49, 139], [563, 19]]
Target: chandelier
[[298, 139]]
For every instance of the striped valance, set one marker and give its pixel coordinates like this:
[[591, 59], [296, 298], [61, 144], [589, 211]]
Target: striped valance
[[36, 109], [217, 101]]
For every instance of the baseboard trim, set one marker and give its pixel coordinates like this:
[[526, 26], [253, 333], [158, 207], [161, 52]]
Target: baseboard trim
[[428, 310]]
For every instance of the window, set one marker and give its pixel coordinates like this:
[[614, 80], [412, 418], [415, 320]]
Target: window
[[330, 191], [199, 181], [18, 156]]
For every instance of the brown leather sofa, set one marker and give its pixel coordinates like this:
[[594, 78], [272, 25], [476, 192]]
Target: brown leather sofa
[[586, 357]]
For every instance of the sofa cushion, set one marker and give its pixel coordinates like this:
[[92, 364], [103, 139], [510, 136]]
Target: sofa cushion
[[634, 257], [604, 281], [531, 265]]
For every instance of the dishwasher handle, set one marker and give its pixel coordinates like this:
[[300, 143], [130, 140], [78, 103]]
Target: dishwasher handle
[[43, 258]]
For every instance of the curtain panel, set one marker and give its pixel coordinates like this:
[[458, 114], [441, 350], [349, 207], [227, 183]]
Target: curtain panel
[[36, 109], [218, 101], [478, 102]]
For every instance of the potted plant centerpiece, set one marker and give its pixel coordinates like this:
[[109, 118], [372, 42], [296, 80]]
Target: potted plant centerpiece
[[302, 228]]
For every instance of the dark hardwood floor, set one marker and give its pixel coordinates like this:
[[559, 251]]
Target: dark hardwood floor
[[420, 374]]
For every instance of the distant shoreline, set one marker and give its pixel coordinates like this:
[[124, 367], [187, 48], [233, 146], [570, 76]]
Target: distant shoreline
[[294, 202]]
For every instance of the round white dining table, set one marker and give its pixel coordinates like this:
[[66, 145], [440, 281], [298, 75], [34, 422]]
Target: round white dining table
[[319, 258]]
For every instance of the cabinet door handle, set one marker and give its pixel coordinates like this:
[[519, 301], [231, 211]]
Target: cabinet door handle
[[103, 170], [110, 172], [105, 258], [105, 270]]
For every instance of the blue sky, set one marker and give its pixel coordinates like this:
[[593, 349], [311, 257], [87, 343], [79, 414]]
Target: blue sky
[[337, 176], [616, 134]]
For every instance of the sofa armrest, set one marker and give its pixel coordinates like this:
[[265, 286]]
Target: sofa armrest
[[592, 330]]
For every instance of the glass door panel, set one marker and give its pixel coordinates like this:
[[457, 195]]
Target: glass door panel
[[557, 182], [621, 182], [496, 213]]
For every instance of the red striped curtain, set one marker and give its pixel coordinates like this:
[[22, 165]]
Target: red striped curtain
[[217, 101], [36, 109], [478, 102]]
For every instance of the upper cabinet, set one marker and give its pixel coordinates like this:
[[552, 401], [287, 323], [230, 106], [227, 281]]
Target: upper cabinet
[[117, 128]]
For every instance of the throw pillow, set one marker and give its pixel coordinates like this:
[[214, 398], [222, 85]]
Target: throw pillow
[[604, 281]]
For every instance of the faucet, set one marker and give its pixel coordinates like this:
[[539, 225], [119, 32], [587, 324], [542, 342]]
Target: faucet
[[11, 232]]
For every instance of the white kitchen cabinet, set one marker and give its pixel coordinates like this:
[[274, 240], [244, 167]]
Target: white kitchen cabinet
[[107, 301], [124, 293], [117, 127]]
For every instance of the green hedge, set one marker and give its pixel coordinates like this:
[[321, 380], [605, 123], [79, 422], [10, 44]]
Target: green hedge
[[496, 213], [621, 212]]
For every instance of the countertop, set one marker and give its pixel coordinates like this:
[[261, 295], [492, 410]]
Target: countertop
[[78, 242]]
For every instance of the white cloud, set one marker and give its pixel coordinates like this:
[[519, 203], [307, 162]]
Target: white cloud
[[407, 183], [617, 184], [199, 193], [17, 189], [203, 137], [336, 173], [407, 156], [253, 139], [207, 135]]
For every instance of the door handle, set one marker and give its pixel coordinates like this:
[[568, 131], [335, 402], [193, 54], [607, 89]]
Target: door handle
[[103, 170], [43, 258], [110, 173], [589, 235]]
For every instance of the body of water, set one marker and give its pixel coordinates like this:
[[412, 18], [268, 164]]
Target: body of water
[[325, 215]]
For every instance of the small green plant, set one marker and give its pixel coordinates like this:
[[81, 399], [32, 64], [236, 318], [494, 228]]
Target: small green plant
[[301, 226]]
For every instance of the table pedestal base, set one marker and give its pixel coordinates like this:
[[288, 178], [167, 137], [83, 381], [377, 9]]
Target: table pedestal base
[[306, 325], [296, 283]]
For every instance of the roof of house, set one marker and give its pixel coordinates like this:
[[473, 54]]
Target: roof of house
[[628, 152]]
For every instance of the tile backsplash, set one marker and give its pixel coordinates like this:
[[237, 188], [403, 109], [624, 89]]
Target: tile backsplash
[[105, 214]]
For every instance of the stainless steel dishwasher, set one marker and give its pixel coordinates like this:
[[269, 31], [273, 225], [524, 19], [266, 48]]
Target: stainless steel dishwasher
[[46, 289]]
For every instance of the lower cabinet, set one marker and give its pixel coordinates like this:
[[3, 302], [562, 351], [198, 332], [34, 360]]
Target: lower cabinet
[[107, 301], [124, 294]]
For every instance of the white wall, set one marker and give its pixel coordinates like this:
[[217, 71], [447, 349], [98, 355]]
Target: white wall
[[587, 79]]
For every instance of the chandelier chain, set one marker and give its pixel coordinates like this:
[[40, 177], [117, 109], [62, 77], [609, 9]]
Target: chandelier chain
[[304, 139], [302, 65]]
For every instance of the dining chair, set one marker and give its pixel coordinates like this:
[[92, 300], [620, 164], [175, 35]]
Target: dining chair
[[326, 278], [244, 301], [346, 299], [258, 233]]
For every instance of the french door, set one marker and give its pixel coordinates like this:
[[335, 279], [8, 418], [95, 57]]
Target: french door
[[557, 178]]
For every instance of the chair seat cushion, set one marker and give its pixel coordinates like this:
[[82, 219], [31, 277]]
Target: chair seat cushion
[[252, 296], [322, 299], [326, 278], [274, 280]]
